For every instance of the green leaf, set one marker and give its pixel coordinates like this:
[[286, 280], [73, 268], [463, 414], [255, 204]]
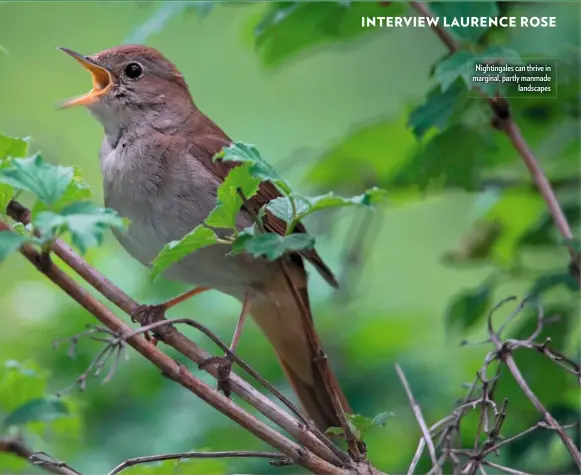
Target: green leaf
[[457, 65], [12, 147], [37, 410], [381, 418], [349, 165], [282, 208], [272, 246], [239, 181], [454, 158], [47, 182], [550, 281], [85, 221], [438, 109], [468, 307], [6, 194], [9, 243], [574, 244], [289, 28], [452, 10], [174, 251], [240, 152], [334, 431]]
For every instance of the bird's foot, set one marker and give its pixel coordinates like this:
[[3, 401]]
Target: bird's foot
[[224, 370], [148, 314]]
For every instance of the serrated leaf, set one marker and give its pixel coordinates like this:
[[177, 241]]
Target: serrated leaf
[[174, 251], [466, 308], [85, 221], [12, 147], [452, 10], [37, 410], [241, 152], [47, 182], [239, 181], [438, 109], [272, 246], [282, 207], [457, 65], [454, 158], [9, 243]]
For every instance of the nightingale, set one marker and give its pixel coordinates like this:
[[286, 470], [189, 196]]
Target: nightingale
[[158, 171]]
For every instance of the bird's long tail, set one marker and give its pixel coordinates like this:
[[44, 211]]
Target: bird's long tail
[[280, 312]]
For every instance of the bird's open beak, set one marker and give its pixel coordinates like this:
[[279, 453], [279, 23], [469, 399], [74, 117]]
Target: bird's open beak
[[102, 81]]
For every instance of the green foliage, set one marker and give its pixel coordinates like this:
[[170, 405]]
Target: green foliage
[[574, 244], [239, 182], [47, 182], [289, 28], [468, 307], [24, 402], [361, 425], [438, 109], [43, 409], [12, 147], [294, 209], [175, 251], [259, 168], [451, 10], [60, 207], [10, 242], [85, 221], [272, 246]]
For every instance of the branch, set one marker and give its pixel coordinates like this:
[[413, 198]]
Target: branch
[[320, 446], [276, 459], [420, 418], [504, 352], [177, 372], [17, 447], [506, 123]]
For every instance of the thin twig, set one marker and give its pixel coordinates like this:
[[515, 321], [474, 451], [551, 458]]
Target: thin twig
[[18, 448], [505, 354], [506, 123], [420, 418], [175, 371], [280, 459], [313, 440]]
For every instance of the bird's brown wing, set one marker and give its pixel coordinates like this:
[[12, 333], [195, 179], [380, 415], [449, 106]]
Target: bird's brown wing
[[207, 146]]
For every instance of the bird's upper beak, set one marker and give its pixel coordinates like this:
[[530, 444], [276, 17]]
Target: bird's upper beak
[[102, 81]]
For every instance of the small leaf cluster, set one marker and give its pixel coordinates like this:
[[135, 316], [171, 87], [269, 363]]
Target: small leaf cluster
[[61, 204], [360, 425], [241, 184]]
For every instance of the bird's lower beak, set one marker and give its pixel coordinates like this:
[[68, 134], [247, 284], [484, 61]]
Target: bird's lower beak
[[102, 81]]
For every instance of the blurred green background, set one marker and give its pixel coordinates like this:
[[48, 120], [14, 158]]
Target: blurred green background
[[328, 103]]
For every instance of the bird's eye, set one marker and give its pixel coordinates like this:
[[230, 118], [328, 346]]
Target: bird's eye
[[133, 70]]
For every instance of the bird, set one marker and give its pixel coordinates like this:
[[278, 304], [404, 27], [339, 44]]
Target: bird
[[158, 168]]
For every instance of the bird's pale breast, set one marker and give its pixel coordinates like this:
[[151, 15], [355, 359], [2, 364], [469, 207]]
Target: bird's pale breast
[[164, 201]]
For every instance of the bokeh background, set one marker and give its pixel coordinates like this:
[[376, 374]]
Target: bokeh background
[[329, 104]]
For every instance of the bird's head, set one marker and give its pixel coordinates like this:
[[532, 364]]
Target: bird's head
[[132, 84]]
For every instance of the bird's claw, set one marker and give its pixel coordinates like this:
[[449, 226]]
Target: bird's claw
[[224, 370]]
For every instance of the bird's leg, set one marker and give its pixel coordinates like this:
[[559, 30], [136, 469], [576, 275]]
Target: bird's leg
[[225, 362], [147, 314]]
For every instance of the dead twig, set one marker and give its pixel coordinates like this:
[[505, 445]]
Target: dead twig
[[18, 448], [420, 418], [276, 458]]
